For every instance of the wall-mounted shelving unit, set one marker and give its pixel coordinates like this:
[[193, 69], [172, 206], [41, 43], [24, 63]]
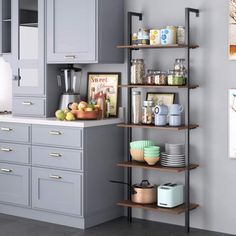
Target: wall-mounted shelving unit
[[129, 164]]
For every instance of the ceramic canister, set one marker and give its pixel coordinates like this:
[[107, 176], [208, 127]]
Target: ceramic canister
[[160, 120], [167, 36], [175, 120], [155, 37]]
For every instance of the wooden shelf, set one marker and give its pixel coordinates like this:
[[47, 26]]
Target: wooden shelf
[[157, 86], [142, 165], [158, 127], [153, 207], [7, 20], [157, 46]]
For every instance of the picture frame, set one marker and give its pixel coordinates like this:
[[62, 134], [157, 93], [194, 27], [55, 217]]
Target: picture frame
[[106, 82], [232, 123], [232, 30], [163, 98]]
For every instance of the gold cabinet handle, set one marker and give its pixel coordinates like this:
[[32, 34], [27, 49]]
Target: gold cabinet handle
[[6, 149], [55, 177], [55, 155], [70, 57], [55, 133], [6, 170], [6, 129], [27, 103]]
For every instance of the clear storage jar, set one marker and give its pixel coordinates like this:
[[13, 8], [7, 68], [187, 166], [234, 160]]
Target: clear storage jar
[[136, 107], [137, 71], [147, 112]]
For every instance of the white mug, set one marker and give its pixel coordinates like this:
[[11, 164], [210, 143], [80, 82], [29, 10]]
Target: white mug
[[176, 109], [160, 120], [161, 110], [175, 120]]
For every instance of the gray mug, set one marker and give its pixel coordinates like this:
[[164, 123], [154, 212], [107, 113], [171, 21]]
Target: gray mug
[[160, 120], [175, 120], [176, 109], [161, 110]]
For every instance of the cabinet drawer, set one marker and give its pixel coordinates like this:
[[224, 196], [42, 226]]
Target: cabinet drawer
[[17, 153], [29, 106], [57, 136], [58, 158], [14, 184], [57, 191], [15, 132]]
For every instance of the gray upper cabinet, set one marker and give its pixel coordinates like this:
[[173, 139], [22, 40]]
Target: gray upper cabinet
[[28, 47], [80, 31]]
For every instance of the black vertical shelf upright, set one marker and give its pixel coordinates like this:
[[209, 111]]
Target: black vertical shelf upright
[[188, 126]]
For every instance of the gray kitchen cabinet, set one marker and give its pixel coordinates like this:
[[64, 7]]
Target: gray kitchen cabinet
[[14, 132], [14, 184], [51, 157], [57, 191], [28, 48], [15, 153], [88, 31]]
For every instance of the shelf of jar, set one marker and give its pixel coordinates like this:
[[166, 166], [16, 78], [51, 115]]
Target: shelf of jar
[[158, 167], [157, 86], [158, 46], [153, 207], [171, 128]]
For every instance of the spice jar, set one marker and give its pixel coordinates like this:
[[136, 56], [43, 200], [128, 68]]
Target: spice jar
[[147, 112], [136, 107], [137, 71], [150, 77]]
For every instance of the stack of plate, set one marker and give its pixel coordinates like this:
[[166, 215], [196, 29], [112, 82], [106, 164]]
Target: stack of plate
[[173, 155]]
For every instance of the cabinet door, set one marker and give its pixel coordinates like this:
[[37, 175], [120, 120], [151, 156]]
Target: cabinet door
[[28, 44], [57, 191], [71, 31], [14, 184]]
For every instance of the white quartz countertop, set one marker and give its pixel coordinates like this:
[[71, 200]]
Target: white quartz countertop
[[54, 121]]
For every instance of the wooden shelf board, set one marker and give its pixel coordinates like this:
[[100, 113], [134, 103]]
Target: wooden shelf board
[[156, 86], [142, 165], [157, 46], [153, 207], [158, 127], [7, 20]]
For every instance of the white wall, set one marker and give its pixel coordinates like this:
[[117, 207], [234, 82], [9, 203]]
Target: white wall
[[213, 184], [5, 85]]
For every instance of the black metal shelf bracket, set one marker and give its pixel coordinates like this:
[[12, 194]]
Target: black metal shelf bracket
[[129, 102], [188, 11]]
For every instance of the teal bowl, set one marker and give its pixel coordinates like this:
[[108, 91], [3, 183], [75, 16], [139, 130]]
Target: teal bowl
[[141, 144]]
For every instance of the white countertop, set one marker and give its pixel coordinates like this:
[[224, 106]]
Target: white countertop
[[54, 121]]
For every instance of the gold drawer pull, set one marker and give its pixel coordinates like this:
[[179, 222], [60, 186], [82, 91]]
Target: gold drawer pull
[[27, 103], [6, 129], [55, 155], [6, 149], [55, 133], [55, 177], [6, 170], [70, 56]]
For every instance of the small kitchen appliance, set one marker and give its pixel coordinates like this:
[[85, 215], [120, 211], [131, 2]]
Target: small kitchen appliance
[[69, 81], [170, 195]]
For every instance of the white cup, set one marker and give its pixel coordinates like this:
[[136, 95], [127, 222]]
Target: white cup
[[160, 120], [175, 120], [161, 110], [176, 109]]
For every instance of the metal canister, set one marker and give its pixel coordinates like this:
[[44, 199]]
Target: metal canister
[[136, 107], [173, 33]]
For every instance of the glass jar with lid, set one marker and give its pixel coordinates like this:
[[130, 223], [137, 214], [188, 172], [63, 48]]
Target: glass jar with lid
[[137, 71], [150, 77], [179, 65], [147, 112]]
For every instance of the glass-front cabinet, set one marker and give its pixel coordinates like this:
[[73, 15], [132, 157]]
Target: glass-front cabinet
[[28, 41]]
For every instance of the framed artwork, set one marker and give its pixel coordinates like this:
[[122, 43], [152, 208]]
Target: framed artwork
[[232, 30], [232, 123], [161, 98], [107, 83]]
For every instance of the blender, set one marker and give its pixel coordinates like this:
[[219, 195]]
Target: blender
[[70, 81]]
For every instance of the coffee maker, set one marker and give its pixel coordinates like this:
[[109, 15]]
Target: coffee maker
[[69, 81]]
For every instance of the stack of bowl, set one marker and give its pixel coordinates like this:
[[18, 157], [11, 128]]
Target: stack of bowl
[[152, 155], [137, 149]]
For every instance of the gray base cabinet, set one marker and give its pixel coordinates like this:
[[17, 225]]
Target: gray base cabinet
[[14, 184], [57, 191], [60, 174]]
